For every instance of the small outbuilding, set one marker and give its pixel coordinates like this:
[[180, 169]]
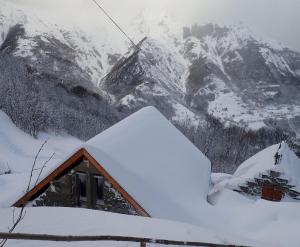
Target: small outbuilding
[[272, 174], [140, 166]]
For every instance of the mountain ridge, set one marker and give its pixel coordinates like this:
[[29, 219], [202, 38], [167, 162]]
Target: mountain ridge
[[217, 84]]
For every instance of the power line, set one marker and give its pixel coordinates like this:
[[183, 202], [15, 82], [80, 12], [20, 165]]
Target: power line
[[115, 23], [124, 33]]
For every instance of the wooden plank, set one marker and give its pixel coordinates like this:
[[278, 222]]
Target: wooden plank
[[70, 238]]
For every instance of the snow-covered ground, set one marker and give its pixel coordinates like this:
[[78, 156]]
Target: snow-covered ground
[[244, 222], [70, 221], [275, 223]]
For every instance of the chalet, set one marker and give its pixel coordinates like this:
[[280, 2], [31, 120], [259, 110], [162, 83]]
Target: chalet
[[140, 166], [272, 174]]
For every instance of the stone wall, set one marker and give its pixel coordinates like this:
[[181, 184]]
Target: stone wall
[[272, 178]]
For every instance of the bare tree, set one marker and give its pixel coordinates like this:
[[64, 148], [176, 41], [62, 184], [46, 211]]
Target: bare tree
[[17, 219]]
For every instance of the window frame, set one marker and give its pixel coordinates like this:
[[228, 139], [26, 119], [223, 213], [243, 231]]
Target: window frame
[[80, 197], [96, 179]]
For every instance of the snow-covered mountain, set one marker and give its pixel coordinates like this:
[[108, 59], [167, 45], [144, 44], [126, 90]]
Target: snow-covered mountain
[[229, 91], [241, 78], [228, 73], [48, 74], [212, 78]]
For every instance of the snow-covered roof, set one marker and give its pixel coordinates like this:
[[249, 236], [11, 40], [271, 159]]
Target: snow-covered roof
[[288, 166], [155, 163], [288, 163]]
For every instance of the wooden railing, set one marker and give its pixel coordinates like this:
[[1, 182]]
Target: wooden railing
[[68, 238]]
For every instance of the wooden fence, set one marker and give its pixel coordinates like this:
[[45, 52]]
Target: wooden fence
[[143, 241]]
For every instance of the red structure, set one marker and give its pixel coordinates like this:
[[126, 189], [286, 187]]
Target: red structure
[[271, 193]]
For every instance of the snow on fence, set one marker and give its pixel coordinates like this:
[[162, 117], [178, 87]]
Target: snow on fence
[[143, 241]]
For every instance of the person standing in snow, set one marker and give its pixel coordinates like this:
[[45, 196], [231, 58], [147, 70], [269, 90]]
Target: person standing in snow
[[277, 158]]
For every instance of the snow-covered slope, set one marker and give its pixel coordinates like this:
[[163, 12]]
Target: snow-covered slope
[[18, 148], [17, 153], [59, 66], [43, 41]]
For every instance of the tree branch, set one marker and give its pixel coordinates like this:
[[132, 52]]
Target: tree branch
[[22, 212]]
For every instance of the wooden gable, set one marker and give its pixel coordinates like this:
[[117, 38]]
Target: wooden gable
[[66, 167]]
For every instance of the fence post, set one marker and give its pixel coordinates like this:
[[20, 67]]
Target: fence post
[[143, 244]]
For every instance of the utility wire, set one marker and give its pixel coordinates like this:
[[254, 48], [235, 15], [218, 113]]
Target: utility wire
[[115, 23], [124, 33]]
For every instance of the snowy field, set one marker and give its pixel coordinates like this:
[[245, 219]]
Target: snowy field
[[252, 224], [89, 222]]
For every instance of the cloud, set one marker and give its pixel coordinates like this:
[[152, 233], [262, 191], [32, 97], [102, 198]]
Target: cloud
[[278, 19]]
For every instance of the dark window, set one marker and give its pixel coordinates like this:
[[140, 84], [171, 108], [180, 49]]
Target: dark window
[[82, 179], [99, 183], [90, 189]]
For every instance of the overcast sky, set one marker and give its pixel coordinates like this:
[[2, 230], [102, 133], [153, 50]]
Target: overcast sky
[[277, 19]]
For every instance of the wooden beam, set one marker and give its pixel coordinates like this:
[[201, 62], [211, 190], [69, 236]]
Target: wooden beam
[[77, 238]]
